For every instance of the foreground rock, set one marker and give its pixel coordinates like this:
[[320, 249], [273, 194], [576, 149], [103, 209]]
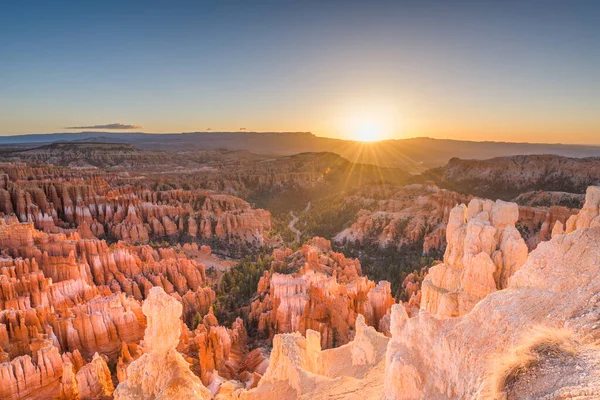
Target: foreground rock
[[557, 288], [536, 338], [299, 369], [161, 372]]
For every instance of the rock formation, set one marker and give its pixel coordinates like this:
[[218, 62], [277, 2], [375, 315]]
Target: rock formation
[[588, 217], [484, 250], [549, 199], [396, 216], [161, 372], [325, 295], [78, 289], [70, 305], [47, 374], [299, 369], [556, 288], [87, 202], [536, 338]]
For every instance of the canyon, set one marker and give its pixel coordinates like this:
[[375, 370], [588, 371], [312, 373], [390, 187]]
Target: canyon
[[154, 245], [133, 283], [545, 316]]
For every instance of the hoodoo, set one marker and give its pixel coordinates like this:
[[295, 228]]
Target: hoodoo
[[161, 372]]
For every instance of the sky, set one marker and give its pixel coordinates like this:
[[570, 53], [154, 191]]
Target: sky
[[474, 70]]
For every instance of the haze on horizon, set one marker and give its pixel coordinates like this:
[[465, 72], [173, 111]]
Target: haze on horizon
[[525, 71]]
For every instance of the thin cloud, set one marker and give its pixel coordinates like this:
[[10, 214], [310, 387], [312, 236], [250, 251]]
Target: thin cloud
[[107, 126]]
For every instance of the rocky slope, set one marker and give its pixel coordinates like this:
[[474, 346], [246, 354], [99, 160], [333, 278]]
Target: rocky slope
[[542, 198], [395, 216], [508, 177], [238, 173], [88, 155]]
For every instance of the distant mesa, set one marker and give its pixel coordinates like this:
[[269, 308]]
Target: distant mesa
[[115, 126]]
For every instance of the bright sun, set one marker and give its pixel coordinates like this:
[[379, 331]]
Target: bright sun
[[367, 131], [368, 123]]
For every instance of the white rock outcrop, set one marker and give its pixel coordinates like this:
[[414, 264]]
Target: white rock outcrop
[[161, 372], [589, 216], [557, 287], [484, 250], [299, 369]]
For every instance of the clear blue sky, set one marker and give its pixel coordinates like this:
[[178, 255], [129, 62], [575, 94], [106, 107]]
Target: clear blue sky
[[484, 70]]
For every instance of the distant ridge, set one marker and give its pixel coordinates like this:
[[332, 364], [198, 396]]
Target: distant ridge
[[414, 154]]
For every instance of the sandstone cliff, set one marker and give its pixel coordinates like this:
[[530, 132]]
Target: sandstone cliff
[[397, 216]]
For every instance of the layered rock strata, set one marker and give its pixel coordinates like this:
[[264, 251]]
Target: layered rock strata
[[398, 216]]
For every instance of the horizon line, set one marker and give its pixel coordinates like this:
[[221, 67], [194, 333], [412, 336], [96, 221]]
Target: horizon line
[[9, 135]]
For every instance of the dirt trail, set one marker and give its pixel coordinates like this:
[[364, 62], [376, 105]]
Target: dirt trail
[[295, 219]]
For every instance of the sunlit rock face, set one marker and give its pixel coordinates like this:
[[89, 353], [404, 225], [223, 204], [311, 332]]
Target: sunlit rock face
[[74, 304], [48, 374], [326, 295], [56, 200], [536, 223], [161, 372], [70, 306], [588, 217], [300, 369], [484, 250], [440, 358]]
